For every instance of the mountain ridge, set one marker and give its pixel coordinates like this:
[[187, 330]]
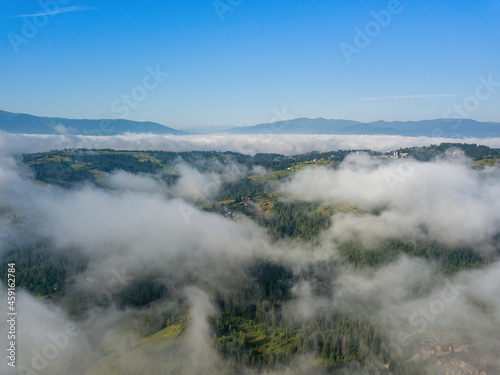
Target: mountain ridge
[[448, 128], [21, 123]]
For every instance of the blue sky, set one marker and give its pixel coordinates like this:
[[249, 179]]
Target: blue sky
[[249, 62]]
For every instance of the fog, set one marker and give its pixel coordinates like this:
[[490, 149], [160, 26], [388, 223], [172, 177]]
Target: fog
[[287, 144], [135, 226], [444, 200]]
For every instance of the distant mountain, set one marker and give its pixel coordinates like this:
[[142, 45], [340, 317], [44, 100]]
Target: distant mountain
[[28, 124], [448, 128]]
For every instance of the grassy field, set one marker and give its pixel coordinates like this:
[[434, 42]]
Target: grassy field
[[53, 159], [486, 163], [80, 166], [122, 351]]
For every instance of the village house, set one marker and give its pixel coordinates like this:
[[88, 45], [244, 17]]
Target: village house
[[435, 361], [427, 349], [450, 369], [456, 360], [441, 347], [470, 369]]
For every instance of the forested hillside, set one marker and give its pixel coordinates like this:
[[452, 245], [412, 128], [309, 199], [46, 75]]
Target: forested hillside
[[291, 297]]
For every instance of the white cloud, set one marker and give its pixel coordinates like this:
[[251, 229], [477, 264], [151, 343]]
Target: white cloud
[[135, 223], [444, 200], [195, 186], [425, 96], [121, 180], [55, 11], [288, 144]]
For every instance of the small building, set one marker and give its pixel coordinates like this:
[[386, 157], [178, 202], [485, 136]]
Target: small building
[[469, 350], [470, 369], [456, 360], [450, 369], [427, 349], [441, 347], [435, 361]]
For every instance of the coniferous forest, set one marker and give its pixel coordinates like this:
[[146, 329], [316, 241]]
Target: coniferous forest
[[258, 269]]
